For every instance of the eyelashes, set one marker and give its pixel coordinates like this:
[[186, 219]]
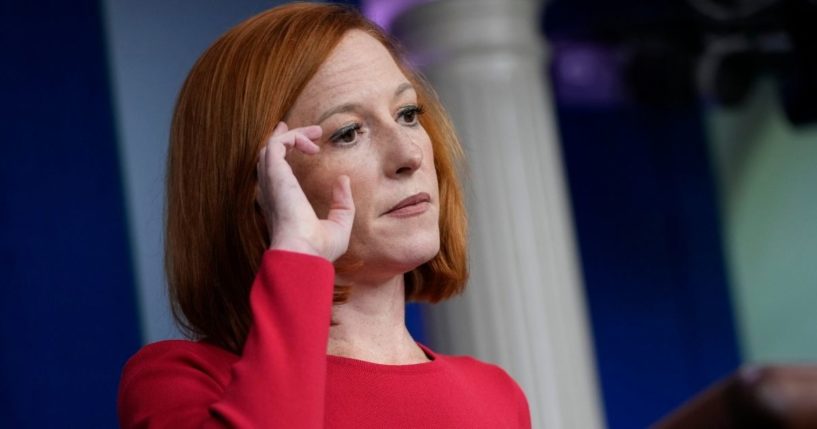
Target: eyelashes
[[347, 135], [410, 114]]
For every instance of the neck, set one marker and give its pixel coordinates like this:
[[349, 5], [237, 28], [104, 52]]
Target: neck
[[371, 325]]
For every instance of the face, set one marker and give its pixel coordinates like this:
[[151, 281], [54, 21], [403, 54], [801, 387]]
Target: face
[[369, 114]]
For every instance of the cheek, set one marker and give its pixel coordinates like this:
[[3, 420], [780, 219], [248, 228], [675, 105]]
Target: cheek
[[428, 154], [363, 182], [318, 175], [424, 140], [319, 194], [313, 180]]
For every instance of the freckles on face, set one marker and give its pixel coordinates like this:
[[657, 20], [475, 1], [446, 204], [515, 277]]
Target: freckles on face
[[369, 113], [362, 101], [317, 174]]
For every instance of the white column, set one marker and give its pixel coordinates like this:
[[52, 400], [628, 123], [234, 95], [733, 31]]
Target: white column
[[524, 306]]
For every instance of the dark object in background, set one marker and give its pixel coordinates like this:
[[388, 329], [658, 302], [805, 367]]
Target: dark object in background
[[799, 86], [753, 397], [721, 46], [661, 75]]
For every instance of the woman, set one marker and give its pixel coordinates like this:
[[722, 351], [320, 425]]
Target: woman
[[311, 192]]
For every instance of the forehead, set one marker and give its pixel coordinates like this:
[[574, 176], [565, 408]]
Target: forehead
[[358, 70]]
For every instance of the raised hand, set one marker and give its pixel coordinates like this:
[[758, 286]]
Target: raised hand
[[291, 220]]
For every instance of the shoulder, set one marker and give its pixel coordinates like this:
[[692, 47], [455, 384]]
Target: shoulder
[[495, 383], [175, 355], [196, 370], [483, 371]]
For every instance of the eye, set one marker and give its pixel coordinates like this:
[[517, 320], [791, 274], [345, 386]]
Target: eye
[[409, 115], [346, 135]]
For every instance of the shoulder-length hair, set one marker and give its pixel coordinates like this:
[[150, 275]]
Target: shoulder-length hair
[[236, 93]]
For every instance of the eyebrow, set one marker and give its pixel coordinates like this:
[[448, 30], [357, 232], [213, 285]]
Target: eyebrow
[[349, 107]]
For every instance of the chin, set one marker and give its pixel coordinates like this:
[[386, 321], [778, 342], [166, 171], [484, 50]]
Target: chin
[[419, 255], [398, 256]]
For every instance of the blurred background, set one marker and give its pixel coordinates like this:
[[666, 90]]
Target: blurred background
[[665, 236]]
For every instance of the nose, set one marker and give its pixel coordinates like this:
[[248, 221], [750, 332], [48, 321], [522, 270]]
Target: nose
[[403, 156]]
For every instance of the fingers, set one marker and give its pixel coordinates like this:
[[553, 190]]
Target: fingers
[[282, 138], [280, 129], [312, 132], [286, 207], [276, 180], [299, 138], [305, 144]]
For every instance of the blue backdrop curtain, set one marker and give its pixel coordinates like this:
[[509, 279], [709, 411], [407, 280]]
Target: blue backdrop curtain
[[67, 317], [651, 255], [644, 201]]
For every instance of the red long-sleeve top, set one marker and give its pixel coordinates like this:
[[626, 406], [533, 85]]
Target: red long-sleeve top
[[285, 379]]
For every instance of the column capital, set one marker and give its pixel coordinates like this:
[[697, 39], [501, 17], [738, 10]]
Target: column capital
[[432, 31]]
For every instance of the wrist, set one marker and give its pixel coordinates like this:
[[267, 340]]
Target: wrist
[[290, 245]]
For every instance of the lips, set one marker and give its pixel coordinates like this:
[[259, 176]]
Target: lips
[[414, 204]]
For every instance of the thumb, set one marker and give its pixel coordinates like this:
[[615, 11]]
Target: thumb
[[342, 210]]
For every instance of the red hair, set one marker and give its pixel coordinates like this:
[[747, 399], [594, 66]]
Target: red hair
[[236, 93]]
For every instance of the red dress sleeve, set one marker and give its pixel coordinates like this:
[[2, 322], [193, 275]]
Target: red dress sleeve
[[279, 381]]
